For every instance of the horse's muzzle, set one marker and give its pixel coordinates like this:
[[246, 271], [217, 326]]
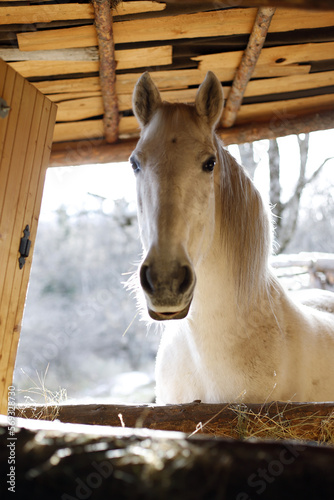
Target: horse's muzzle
[[166, 316], [168, 284]]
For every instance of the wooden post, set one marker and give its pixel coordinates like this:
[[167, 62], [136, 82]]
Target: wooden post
[[104, 30], [247, 65], [25, 144]]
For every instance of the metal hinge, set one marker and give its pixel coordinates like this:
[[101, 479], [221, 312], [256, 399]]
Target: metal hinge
[[4, 108], [25, 245]]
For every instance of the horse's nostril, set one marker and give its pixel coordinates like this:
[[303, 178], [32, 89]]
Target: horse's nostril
[[186, 279], [146, 279]]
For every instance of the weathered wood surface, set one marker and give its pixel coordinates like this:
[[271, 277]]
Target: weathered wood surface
[[105, 36], [272, 60], [125, 59], [198, 25], [74, 106], [65, 11], [54, 461], [277, 419], [276, 113]]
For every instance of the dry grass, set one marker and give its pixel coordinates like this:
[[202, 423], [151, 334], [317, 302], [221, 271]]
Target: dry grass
[[51, 400], [248, 424]]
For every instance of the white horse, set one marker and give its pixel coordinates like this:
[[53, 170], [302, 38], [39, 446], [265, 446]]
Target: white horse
[[236, 334]]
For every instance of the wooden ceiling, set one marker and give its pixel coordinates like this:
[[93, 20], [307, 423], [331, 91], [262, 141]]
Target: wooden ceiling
[[288, 89]]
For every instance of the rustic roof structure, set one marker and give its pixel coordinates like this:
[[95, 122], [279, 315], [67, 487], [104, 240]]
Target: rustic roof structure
[[274, 59]]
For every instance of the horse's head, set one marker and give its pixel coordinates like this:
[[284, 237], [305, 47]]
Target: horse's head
[[174, 166]]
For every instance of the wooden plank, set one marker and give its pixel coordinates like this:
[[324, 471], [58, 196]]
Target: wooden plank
[[173, 79], [9, 225], [203, 24], [275, 111], [13, 282], [33, 201], [69, 96], [254, 88], [4, 94], [12, 95], [289, 83], [271, 59], [81, 109], [33, 14], [91, 129], [17, 190], [298, 4], [302, 19], [125, 59], [79, 54], [284, 110]]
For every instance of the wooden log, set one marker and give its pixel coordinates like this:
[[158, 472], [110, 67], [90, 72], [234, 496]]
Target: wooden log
[[31, 14], [275, 420], [247, 65], [105, 36], [89, 150], [54, 460]]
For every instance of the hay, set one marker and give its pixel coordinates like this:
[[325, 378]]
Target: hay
[[249, 425], [52, 400]]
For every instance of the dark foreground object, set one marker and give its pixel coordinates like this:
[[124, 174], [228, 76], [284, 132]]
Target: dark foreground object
[[52, 460]]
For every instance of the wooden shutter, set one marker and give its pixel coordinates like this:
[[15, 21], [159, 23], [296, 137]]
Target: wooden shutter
[[25, 145]]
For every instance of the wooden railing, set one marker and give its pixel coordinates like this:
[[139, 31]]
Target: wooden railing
[[305, 270]]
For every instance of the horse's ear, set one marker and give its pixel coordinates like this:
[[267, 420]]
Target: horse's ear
[[146, 99], [209, 99]]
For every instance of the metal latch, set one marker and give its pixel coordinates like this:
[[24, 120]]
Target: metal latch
[[4, 108], [25, 245]]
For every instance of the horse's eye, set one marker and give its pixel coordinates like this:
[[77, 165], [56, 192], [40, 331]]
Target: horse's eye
[[209, 164], [135, 165]]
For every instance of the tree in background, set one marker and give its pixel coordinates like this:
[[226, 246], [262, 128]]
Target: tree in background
[[285, 212]]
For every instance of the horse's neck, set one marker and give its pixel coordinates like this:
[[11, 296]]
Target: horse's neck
[[234, 283]]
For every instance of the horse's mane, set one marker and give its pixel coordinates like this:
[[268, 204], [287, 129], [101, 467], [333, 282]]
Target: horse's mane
[[246, 229]]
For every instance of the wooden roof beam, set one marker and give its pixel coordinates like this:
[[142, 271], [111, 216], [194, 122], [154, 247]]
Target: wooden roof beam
[[247, 65], [104, 31], [92, 151]]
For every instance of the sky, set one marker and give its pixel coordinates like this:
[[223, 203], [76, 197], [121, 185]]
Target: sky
[[75, 187]]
